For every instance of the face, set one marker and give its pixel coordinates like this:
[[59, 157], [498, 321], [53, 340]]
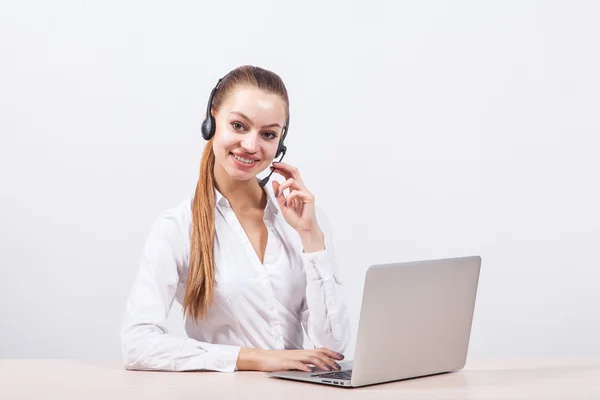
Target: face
[[249, 125]]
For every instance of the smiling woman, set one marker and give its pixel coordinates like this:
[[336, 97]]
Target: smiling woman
[[253, 267]]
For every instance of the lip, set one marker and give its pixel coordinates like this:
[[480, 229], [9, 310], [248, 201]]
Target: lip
[[249, 157], [241, 164]]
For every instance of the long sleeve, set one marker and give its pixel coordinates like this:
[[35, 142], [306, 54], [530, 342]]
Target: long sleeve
[[325, 316], [146, 344]]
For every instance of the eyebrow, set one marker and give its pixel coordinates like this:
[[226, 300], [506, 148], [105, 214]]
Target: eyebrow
[[250, 121]]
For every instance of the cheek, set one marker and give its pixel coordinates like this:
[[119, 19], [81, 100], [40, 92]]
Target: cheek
[[220, 150], [223, 142], [273, 149]]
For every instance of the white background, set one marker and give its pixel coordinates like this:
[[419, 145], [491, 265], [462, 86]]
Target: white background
[[424, 129]]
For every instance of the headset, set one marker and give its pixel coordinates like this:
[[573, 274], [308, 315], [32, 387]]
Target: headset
[[209, 127]]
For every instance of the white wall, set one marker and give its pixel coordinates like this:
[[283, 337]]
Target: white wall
[[425, 130]]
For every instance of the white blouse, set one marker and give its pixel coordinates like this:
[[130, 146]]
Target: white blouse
[[255, 305]]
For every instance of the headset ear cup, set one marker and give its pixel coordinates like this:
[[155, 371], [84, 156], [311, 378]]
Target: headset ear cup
[[208, 128], [204, 128]]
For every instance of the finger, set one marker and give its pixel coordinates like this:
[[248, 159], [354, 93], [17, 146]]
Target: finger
[[279, 194], [300, 366], [287, 169], [290, 184], [302, 195], [276, 186], [328, 361], [331, 353], [296, 202], [316, 361], [281, 172]]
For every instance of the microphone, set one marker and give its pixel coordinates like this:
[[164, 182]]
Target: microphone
[[264, 181]]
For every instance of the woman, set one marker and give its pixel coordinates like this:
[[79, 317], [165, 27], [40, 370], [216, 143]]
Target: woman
[[250, 265]]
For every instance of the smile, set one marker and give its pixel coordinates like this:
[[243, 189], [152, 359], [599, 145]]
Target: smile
[[244, 160]]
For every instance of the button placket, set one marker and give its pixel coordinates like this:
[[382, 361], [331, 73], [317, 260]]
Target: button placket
[[272, 308]]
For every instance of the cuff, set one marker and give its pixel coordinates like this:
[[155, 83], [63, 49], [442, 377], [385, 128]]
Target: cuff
[[218, 357], [318, 265]]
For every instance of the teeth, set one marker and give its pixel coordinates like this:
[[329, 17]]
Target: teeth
[[244, 160]]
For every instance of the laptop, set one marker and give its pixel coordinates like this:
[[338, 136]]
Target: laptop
[[415, 321]]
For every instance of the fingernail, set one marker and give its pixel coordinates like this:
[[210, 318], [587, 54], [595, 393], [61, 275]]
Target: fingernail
[[337, 366], [277, 193], [340, 355], [285, 203]]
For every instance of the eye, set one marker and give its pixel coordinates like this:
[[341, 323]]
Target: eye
[[270, 135], [238, 126]]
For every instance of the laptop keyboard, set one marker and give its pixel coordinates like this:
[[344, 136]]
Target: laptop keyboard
[[335, 375]]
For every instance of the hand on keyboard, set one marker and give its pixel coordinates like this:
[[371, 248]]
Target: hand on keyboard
[[281, 360]]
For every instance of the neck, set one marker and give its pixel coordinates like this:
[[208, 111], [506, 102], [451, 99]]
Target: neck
[[241, 195]]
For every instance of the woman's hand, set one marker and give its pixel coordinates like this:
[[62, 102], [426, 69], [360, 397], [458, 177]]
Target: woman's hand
[[298, 207], [282, 360]]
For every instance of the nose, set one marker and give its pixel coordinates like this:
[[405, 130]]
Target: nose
[[250, 142]]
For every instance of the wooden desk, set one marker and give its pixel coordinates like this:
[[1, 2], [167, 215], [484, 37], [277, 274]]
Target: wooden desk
[[564, 379]]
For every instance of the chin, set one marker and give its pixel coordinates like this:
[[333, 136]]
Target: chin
[[241, 175]]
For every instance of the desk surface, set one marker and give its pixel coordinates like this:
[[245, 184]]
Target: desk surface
[[486, 379]]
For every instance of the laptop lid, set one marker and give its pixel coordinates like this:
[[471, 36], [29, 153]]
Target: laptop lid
[[415, 319]]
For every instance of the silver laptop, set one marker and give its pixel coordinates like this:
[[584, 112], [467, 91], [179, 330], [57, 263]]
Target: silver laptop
[[415, 321]]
